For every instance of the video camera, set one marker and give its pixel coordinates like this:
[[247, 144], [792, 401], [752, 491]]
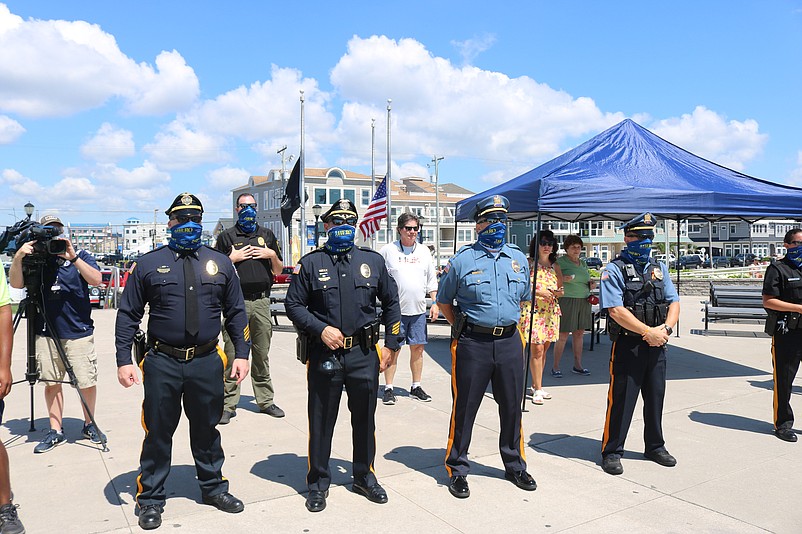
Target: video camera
[[27, 230]]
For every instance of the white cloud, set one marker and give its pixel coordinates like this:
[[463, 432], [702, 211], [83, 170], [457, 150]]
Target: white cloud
[[708, 134], [179, 147], [10, 130], [74, 189], [459, 112], [22, 186], [58, 68], [227, 178], [796, 175], [471, 48], [109, 144]]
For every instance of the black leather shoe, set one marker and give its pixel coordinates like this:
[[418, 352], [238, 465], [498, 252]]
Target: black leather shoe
[[226, 417], [273, 411], [150, 517], [374, 493], [522, 479], [611, 464], [316, 500], [661, 457], [459, 487], [785, 434], [225, 502]]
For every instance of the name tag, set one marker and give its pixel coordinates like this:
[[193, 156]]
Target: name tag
[[793, 279]]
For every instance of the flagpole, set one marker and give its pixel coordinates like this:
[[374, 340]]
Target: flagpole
[[302, 232], [389, 179], [372, 171]]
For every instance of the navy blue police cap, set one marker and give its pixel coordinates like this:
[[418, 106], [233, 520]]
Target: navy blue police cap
[[185, 205], [343, 208], [642, 223], [495, 205]]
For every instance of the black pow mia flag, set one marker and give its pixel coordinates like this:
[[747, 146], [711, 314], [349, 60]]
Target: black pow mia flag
[[291, 200]]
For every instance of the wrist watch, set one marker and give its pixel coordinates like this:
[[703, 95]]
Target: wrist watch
[[669, 330]]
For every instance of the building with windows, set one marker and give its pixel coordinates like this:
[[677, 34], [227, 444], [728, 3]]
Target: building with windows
[[325, 186], [95, 238], [729, 238], [139, 237]]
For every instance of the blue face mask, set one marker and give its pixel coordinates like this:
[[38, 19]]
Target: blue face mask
[[638, 251], [341, 239], [247, 219], [493, 236], [794, 255], [185, 237]]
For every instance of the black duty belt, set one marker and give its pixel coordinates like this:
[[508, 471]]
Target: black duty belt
[[497, 331], [256, 296], [183, 353]]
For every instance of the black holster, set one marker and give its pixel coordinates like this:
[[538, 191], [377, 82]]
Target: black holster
[[460, 321], [302, 345], [369, 336], [140, 346]]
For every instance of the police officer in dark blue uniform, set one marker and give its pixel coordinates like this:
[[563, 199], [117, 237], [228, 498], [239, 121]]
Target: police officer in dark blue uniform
[[782, 298], [489, 280], [187, 287], [331, 301], [643, 309]]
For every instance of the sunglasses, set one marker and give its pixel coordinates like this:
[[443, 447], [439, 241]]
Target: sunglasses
[[491, 220], [632, 235], [244, 205], [194, 218], [411, 228], [339, 221], [547, 244], [795, 243]]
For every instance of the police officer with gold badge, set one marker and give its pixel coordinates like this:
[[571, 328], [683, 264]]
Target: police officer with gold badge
[[643, 308], [331, 301], [187, 286], [489, 280], [782, 298]]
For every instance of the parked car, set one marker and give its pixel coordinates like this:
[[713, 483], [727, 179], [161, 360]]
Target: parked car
[[594, 263], [742, 260], [671, 261], [690, 261], [284, 276], [718, 262], [95, 296]]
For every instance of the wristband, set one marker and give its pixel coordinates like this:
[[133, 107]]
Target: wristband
[[643, 334]]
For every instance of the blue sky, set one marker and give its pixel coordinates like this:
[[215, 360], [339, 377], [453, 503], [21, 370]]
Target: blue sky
[[110, 109]]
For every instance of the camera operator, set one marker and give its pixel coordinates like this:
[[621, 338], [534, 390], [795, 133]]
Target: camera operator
[[65, 281]]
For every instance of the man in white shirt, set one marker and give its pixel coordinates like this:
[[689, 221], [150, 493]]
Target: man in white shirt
[[411, 266]]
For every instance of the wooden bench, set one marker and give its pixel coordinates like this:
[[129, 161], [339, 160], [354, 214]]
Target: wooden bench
[[728, 302]]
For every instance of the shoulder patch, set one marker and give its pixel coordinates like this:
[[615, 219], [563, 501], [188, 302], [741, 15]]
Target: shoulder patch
[[296, 269], [605, 275]]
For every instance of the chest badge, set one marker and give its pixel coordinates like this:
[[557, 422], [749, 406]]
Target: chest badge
[[211, 268], [516, 267], [364, 270], [164, 269], [261, 241], [657, 274]]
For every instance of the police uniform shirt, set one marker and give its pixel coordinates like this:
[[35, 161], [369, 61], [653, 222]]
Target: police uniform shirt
[[255, 275], [66, 295], [612, 285], [158, 280], [340, 291], [774, 282], [489, 287]]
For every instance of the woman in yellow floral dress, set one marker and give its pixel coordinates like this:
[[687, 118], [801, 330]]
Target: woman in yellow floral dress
[[546, 327]]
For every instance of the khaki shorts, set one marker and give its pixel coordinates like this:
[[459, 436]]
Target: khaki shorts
[[80, 353]]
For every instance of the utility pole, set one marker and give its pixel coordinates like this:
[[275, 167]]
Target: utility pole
[[287, 242], [155, 214], [436, 162]]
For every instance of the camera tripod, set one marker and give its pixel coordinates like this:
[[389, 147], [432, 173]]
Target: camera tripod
[[32, 307]]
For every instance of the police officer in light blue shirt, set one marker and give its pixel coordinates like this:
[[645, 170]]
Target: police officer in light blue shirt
[[643, 308], [488, 280]]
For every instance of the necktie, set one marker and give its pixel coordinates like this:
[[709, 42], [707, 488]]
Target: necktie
[[190, 300]]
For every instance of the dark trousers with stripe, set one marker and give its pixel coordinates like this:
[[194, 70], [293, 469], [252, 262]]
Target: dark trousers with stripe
[[635, 368], [476, 361], [169, 383], [360, 375], [786, 350]]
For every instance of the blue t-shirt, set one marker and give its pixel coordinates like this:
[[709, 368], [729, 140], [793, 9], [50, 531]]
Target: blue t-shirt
[[66, 298]]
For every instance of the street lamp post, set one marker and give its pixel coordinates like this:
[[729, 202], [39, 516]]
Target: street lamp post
[[29, 209], [436, 162], [316, 209]]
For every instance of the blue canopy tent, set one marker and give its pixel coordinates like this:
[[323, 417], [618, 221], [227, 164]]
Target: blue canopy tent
[[627, 170]]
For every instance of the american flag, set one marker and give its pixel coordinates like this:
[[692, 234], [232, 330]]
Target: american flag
[[377, 210]]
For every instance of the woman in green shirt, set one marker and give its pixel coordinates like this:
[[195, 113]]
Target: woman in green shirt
[[576, 312]]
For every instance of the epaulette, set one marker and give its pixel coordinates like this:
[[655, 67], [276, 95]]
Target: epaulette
[[513, 245], [368, 249], [463, 248]]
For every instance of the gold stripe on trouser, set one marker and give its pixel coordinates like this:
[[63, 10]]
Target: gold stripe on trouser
[[523, 443], [370, 467], [453, 403], [606, 436], [776, 397], [224, 357], [145, 428], [308, 429]]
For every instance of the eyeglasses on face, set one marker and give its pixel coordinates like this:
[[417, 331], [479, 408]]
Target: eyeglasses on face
[[411, 228], [547, 244], [243, 205], [491, 220], [194, 218], [795, 243], [633, 235], [339, 221]]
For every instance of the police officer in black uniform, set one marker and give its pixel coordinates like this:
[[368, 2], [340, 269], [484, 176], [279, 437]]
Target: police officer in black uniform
[[254, 251], [331, 301], [187, 287], [782, 298], [643, 308]]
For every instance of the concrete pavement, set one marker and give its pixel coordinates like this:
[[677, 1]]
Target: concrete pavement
[[732, 475]]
